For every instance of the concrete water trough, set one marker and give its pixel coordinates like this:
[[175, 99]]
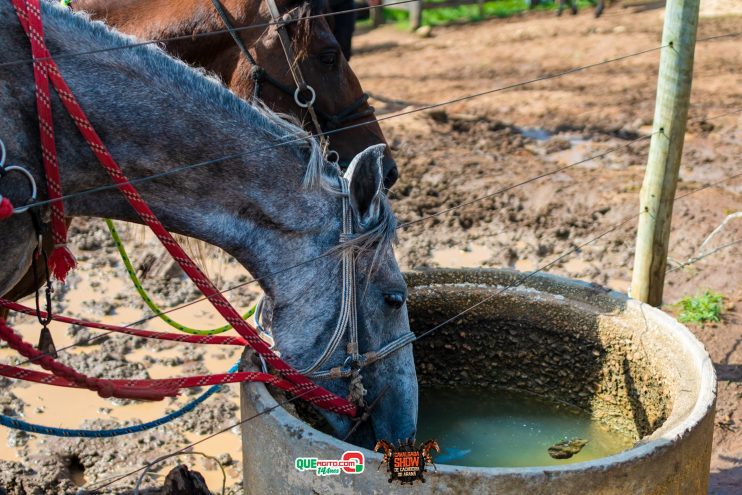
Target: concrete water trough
[[629, 365]]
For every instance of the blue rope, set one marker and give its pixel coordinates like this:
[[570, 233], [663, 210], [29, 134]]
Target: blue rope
[[18, 424]]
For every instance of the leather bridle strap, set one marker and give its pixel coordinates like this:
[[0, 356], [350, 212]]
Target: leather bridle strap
[[301, 84], [347, 319], [258, 73], [350, 114], [236, 37]]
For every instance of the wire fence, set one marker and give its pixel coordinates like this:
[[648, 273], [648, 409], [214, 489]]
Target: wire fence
[[396, 115], [303, 136], [291, 267]]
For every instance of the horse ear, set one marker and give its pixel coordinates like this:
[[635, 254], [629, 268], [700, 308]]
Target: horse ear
[[365, 179]]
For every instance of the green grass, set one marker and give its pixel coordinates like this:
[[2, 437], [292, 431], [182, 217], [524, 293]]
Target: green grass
[[467, 13], [703, 308]]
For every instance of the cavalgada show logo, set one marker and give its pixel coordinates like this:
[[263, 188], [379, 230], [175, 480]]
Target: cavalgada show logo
[[406, 462], [351, 462]]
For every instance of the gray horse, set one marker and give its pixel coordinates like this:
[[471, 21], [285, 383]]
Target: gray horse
[[273, 207]]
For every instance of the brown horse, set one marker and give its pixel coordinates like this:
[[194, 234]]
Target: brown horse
[[340, 100]]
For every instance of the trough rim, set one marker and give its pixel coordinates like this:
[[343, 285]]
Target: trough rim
[[661, 439]]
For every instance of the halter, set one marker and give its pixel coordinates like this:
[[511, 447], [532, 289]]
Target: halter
[[303, 94], [347, 319]]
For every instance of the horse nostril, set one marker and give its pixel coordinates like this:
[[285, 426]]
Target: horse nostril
[[394, 299]]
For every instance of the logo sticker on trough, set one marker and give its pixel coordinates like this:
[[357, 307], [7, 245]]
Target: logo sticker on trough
[[351, 462], [405, 462]]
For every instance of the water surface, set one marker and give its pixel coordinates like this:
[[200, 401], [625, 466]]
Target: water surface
[[507, 429]]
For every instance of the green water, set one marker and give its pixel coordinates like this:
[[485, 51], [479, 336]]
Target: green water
[[507, 429]]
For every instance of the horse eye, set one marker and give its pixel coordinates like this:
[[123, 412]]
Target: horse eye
[[329, 57], [394, 299]]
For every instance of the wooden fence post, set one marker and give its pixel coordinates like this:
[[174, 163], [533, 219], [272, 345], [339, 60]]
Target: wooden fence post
[[377, 14], [416, 14], [663, 164]]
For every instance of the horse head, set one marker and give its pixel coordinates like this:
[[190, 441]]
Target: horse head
[[427, 446], [386, 447], [376, 304], [340, 99]]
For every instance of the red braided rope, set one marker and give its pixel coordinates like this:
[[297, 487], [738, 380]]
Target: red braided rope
[[61, 260], [105, 388], [176, 337], [154, 389], [15, 372], [29, 14]]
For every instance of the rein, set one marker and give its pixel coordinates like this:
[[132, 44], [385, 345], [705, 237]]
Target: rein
[[46, 70], [259, 75]]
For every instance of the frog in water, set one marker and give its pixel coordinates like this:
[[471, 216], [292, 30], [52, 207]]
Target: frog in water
[[567, 448]]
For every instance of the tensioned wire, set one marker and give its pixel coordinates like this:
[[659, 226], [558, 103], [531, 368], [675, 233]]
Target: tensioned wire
[[427, 107], [291, 139], [194, 36], [291, 267], [562, 256], [304, 135], [240, 28], [132, 274]]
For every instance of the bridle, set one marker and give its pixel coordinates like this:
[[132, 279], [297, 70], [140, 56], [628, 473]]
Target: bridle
[[347, 319], [302, 93]]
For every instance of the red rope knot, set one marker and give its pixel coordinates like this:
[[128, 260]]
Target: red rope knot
[[61, 261]]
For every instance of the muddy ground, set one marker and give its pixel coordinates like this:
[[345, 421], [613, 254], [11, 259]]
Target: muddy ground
[[448, 156]]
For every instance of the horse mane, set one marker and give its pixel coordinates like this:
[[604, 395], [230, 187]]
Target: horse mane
[[179, 76]]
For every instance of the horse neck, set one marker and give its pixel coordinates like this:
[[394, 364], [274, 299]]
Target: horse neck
[[155, 114], [152, 19]]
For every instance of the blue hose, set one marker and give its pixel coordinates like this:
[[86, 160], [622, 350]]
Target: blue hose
[[18, 424]]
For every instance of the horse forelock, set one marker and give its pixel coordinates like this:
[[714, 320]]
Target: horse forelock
[[303, 14], [377, 237]]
